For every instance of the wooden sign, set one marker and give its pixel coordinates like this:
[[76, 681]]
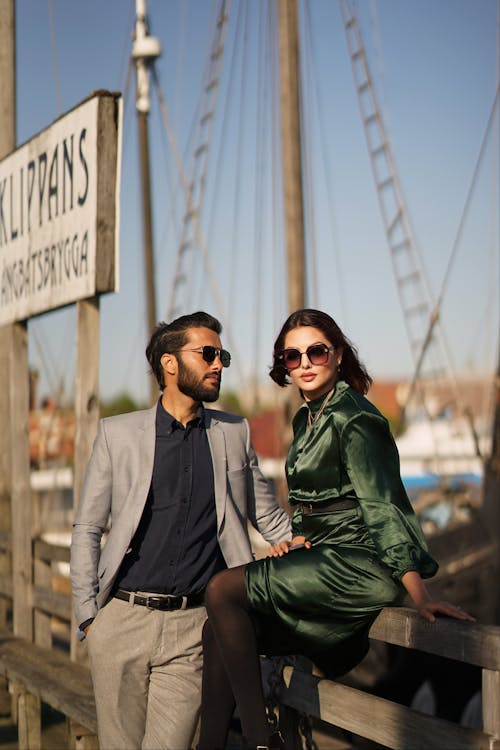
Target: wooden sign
[[59, 212]]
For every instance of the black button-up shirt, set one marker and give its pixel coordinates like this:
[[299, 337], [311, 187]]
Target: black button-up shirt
[[175, 548]]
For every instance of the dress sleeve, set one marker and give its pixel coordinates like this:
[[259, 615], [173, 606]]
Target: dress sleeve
[[371, 460]]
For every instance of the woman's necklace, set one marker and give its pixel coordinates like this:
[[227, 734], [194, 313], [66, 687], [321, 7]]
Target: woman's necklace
[[313, 418]]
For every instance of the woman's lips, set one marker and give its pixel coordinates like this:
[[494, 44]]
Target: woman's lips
[[307, 378]]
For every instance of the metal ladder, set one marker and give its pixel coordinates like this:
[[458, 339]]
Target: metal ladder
[[190, 235], [420, 313]]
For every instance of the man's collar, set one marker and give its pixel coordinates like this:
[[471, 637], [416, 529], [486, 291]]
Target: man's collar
[[169, 422]]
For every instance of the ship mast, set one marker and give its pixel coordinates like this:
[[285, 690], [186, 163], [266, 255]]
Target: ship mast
[[144, 52], [291, 151]]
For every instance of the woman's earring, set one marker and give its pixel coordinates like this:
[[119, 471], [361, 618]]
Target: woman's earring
[[338, 366]]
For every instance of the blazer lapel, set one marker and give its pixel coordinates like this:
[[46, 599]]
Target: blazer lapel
[[217, 443], [146, 438]]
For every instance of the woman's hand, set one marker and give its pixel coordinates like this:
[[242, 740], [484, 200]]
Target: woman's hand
[[425, 605], [282, 548], [429, 609]]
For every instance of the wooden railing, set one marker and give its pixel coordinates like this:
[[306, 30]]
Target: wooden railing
[[343, 706], [388, 723], [46, 602]]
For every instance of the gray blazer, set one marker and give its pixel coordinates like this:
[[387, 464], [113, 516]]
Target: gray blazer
[[117, 483]]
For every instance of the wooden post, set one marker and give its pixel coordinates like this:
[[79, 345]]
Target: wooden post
[[15, 397], [491, 498], [491, 702], [291, 150], [145, 51], [21, 505], [86, 409], [29, 720], [27, 714], [289, 57], [7, 144], [42, 620]]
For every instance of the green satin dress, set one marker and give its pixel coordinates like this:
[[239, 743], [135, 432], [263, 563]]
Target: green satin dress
[[321, 602]]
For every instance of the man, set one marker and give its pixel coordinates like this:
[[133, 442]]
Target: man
[[179, 482]]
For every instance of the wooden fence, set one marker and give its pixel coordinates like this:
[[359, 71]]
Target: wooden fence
[[37, 672]]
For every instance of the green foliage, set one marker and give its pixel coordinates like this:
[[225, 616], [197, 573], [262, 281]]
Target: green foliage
[[121, 404], [229, 401], [397, 425]]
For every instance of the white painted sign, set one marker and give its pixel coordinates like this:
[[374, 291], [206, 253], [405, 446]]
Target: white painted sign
[[54, 235]]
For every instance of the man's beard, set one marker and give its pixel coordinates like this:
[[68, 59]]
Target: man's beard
[[192, 386]]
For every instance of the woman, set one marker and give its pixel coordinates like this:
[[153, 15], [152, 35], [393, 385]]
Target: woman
[[358, 546]]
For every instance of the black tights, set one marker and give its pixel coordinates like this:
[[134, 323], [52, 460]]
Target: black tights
[[231, 665]]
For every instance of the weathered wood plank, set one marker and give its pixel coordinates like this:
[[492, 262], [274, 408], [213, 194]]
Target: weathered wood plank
[[7, 145], [107, 185], [42, 580], [29, 721], [491, 702], [49, 674], [396, 726], [464, 641], [6, 586], [52, 602], [86, 409], [50, 552], [21, 505], [5, 543]]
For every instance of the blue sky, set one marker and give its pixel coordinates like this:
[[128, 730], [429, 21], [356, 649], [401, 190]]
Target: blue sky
[[435, 66]]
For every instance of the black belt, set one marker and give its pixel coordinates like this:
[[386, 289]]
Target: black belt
[[161, 601], [326, 506]]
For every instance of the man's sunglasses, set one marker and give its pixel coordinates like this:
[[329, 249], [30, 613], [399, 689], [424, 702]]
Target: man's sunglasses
[[209, 353], [317, 354]]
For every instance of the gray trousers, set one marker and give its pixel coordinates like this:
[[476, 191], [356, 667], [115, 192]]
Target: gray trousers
[[146, 668]]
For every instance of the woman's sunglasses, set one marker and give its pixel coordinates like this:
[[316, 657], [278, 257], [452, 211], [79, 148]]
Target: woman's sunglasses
[[317, 354], [209, 353]]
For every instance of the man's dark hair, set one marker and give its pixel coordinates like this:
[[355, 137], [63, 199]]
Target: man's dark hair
[[170, 337]]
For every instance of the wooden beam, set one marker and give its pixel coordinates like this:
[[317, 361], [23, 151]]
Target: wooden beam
[[395, 726], [21, 505], [291, 151], [29, 721], [59, 682], [7, 144], [51, 552], [491, 702], [86, 409], [52, 602], [464, 641]]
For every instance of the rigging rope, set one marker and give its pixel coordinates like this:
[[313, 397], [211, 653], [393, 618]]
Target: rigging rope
[[436, 311], [468, 200], [197, 228], [233, 274]]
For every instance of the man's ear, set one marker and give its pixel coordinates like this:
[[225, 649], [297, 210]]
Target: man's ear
[[169, 363]]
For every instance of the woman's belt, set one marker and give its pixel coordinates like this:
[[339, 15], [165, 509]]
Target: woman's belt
[[326, 506]]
